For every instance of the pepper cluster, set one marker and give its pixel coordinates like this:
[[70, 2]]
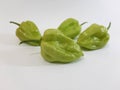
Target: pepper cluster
[[65, 43]]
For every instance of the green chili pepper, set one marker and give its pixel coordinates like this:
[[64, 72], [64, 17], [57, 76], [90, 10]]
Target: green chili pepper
[[94, 37], [28, 33], [56, 47], [70, 27]]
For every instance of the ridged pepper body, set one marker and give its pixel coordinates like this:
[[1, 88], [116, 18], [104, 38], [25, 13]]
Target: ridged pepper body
[[70, 27], [56, 47], [94, 37], [29, 33]]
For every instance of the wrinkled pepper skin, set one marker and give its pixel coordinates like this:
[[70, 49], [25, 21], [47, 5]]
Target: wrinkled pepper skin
[[58, 48], [28, 32], [70, 27], [94, 37]]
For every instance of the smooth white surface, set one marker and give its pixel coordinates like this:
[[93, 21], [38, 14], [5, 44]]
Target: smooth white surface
[[22, 67]]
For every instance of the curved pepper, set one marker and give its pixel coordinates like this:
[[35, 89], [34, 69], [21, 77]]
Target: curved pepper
[[70, 27], [56, 47], [28, 33], [94, 37]]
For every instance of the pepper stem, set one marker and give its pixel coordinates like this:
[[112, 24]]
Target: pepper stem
[[83, 23], [15, 23], [109, 26], [28, 41]]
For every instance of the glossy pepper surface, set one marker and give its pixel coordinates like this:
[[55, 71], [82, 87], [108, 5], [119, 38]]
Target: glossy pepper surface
[[70, 27], [94, 37], [28, 33], [56, 47]]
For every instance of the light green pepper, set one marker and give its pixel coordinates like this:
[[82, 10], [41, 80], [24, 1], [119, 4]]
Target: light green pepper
[[70, 27], [56, 47], [94, 37], [28, 33]]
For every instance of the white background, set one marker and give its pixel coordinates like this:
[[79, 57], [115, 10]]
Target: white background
[[23, 68]]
